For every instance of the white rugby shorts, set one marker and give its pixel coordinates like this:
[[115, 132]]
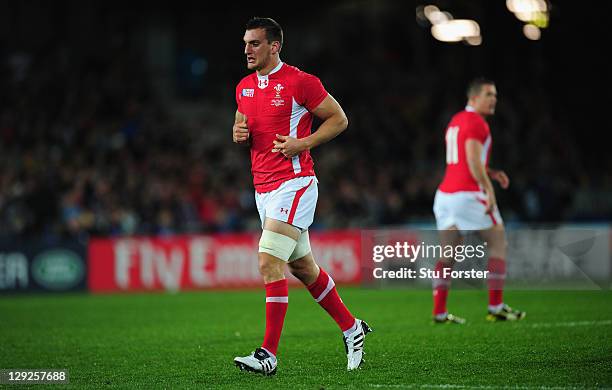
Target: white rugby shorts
[[465, 210], [294, 202]]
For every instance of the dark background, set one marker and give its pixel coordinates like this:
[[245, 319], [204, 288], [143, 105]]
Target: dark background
[[116, 118]]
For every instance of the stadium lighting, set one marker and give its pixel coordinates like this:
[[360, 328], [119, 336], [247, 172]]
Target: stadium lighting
[[540, 20], [434, 15], [429, 9], [526, 6], [532, 32], [445, 28], [530, 16], [438, 17], [532, 12], [474, 41], [456, 30]]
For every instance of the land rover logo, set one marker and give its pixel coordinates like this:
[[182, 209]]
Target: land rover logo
[[58, 269]]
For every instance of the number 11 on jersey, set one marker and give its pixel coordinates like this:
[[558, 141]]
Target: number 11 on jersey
[[452, 148]]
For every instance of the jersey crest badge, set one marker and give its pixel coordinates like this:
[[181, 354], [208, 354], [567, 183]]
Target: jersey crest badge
[[279, 87]]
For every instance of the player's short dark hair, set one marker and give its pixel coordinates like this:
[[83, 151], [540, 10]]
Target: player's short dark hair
[[475, 86], [274, 32]]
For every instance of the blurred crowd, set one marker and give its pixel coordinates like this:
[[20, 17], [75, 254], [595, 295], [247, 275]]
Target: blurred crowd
[[87, 148]]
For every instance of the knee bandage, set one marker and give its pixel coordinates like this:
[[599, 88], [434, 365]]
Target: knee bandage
[[277, 245], [302, 248]]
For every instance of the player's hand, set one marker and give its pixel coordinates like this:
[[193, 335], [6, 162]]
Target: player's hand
[[288, 146], [501, 178], [240, 132]]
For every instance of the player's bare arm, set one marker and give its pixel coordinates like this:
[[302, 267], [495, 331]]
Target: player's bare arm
[[473, 151], [240, 131], [334, 122], [499, 176]]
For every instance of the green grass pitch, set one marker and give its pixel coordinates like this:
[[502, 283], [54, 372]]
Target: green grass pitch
[[188, 340]]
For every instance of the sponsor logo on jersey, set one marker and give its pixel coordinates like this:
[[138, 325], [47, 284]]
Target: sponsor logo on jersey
[[248, 92], [262, 83]]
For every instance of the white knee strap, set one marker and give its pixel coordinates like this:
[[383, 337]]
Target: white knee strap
[[302, 248], [276, 244]]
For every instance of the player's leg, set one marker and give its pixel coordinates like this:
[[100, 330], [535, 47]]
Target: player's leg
[[450, 236], [284, 213], [445, 210], [495, 237], [496, 245], [277, 243], [323, 289]]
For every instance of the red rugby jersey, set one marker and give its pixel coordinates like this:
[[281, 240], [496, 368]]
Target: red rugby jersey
[[278, 103], [464, 125]]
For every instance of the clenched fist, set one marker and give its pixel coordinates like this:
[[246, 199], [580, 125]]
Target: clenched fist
[[241, 132]]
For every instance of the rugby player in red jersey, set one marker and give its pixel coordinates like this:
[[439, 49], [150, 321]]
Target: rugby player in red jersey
[[465, 201], [276, 105]]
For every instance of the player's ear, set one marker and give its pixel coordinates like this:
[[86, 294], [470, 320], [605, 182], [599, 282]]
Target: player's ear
[[276, 47]]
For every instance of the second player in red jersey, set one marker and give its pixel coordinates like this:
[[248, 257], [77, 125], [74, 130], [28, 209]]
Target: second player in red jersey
[[465, 125], [465, 201]]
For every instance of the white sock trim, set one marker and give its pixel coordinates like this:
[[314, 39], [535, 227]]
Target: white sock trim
[[277, 299], [330, 285], [350, 330], [496, 308]]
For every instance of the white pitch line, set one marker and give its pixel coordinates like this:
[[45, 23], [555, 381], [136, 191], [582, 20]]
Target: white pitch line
[[416, 386], [569, 324]]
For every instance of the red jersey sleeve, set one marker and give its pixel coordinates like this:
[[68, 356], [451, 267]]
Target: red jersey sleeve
[[477, 130], [239, 96], [310, 92]]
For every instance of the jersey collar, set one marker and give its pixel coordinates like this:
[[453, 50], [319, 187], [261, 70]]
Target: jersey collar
[[276, 69], [469, 108]]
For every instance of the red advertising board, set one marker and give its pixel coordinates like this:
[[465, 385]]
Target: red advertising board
[[200, 262]]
